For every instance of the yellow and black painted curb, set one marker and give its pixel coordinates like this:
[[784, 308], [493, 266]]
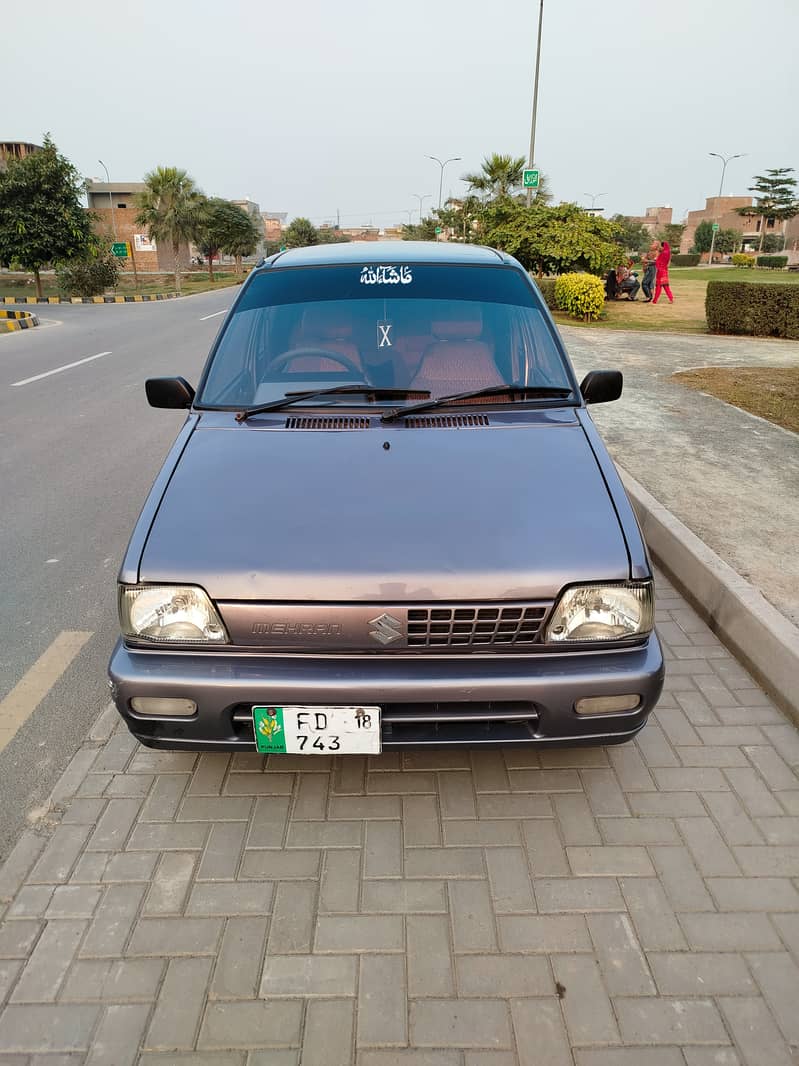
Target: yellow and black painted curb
[[137, 299], [13, 320]]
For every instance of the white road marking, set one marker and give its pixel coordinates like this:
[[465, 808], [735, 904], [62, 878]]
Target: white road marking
[[58, 369], [206, 317], [31, 689]]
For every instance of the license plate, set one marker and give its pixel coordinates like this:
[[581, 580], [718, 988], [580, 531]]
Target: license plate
[[317, 730]]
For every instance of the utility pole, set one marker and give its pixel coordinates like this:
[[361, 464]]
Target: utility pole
[[725, 161], [531, 160], [454, 159], [421, 200]]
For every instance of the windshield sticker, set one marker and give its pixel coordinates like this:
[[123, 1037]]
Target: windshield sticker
[[386, 275], [384, 335]]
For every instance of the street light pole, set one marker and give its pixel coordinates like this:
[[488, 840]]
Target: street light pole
[[454, 159], [531, 160], [110, 198], [421, 199], [725, 161], [594, 197]]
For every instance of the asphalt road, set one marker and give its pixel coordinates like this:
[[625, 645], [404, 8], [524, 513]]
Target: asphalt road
[[78, 451]]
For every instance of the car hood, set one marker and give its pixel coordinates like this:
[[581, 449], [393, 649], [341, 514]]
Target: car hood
[[386, 514]]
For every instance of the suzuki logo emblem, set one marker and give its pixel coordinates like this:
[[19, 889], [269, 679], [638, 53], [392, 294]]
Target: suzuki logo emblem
[[386, 628]]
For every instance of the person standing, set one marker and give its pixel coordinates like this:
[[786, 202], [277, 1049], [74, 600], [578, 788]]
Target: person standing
[[662, 273], [648, 259]]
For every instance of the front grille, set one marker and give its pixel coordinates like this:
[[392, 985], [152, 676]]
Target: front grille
[[434, 627], [446, 421], [326, 422]]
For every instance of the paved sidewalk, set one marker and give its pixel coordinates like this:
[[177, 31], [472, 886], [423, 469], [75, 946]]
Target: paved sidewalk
[[730, 477], [629, 906]]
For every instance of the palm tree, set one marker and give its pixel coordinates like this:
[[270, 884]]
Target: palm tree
[[500, 175], [170, 207]]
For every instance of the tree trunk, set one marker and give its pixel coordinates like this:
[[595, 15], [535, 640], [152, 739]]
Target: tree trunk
[[762, 232], [38, 284], [238, 264], [176, 253], [211, 265]]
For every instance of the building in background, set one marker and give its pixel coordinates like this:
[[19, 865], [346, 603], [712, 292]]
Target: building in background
[[251, 208], [655, 218], [722, 209], [16, 150], [114, 205], [274, 222]]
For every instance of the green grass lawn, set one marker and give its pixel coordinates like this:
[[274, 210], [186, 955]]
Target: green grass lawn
[[687, 313], [148, 284]]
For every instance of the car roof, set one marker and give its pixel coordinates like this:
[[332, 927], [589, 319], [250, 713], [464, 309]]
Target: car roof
[[390, 252]]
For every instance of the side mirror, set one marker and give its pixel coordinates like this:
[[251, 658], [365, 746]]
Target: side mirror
[[175, 393], [601, 386]]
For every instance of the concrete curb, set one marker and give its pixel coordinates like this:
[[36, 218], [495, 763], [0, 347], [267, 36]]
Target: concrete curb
[[136, 299], [762, 638], [14, 320]]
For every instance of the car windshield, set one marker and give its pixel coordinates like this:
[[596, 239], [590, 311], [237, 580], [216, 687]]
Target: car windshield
[[441, 329]]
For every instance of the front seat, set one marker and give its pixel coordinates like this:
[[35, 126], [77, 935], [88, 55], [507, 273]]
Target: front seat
[[325, 327], [457, 360]]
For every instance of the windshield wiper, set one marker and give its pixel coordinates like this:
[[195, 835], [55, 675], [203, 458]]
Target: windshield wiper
[[527, 392], [374, 393]]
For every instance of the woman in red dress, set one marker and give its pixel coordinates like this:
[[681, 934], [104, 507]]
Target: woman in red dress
[[662, 273]]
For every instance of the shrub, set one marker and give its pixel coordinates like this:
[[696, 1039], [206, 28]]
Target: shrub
[[688, 260], [773, 262], [741, 260], [757, 310], [87, 277], [546, 286], [581, 295]]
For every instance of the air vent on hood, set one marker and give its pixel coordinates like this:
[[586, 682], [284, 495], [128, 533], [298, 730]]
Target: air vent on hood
[[446, 421], [323, 422]]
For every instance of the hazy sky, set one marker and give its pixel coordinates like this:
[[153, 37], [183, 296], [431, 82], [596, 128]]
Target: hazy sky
[[309, 107]]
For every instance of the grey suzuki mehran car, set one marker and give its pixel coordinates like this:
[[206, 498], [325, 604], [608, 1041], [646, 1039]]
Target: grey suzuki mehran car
[[387, 521]]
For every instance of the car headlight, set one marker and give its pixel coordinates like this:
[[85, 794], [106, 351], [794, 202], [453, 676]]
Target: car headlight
[[172, 614], [602, 612]]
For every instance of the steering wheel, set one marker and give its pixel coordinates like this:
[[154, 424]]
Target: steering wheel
[[285, 358]]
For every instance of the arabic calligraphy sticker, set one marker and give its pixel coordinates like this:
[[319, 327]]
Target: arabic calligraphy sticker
[[386, 275]]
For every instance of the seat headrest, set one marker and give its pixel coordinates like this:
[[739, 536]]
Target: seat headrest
[[327, 323], [467, 326]]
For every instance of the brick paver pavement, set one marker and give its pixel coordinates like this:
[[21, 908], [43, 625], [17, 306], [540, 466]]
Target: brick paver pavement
[[628, 906]]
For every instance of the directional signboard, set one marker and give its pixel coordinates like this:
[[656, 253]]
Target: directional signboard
[[121, 249], [715, 227], [530, 178]]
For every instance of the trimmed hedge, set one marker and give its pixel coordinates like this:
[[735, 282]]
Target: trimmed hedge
[[581, 295], [752, 309], [773, 262], [740, 259], [687, 260], [546, 286]]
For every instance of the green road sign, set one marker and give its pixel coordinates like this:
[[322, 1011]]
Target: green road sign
[[282, 247], [121, 249], [715, 227], [530, 179], [438, 230]]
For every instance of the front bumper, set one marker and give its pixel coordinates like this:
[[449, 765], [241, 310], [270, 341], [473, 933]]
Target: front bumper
[[469, 701]]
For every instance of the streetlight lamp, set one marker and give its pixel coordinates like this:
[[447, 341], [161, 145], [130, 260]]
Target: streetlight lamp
[[594, 197], [535, 97], [454, 159], [110, 198], [725, 160], [421, 199]]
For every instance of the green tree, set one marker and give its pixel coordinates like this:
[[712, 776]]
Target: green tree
[[170, 207], [499, 175], [553, 240], [727, 240], [242, 235], [632, 236], [421, 231], [301, 233], [41, 218], [329, 235], [673, 234], [775, 197]]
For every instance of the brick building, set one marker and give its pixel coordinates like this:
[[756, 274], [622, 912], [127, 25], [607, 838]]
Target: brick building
[[16, 150], [655, 218], [114, 204], [274, 223]]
